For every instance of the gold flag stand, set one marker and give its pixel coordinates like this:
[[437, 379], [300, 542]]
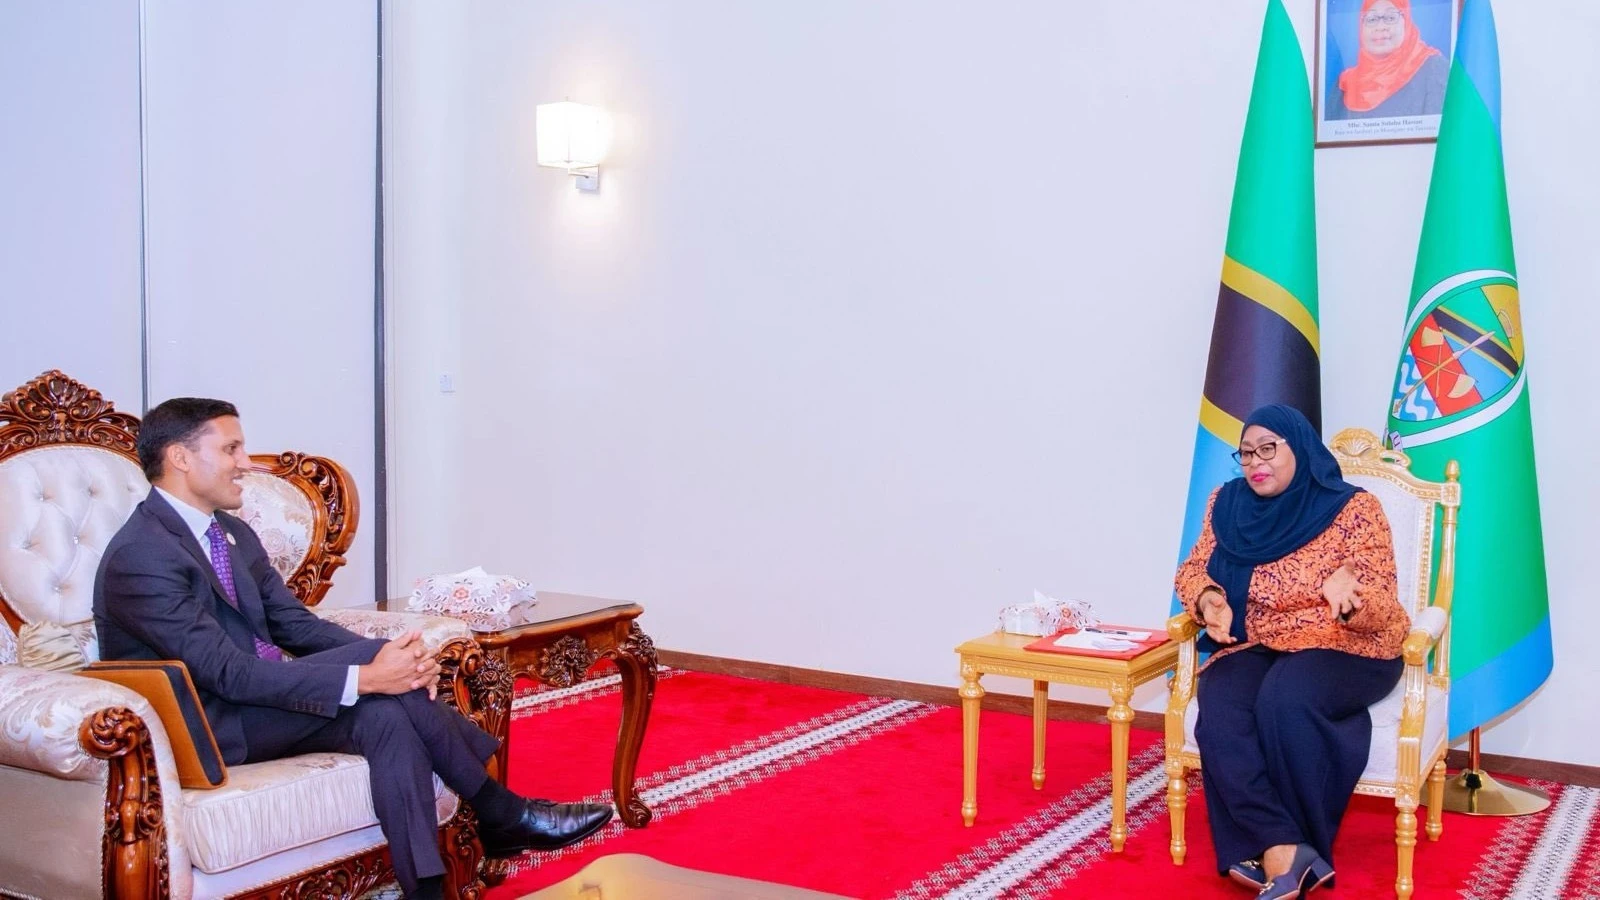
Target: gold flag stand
[[1474, 792]]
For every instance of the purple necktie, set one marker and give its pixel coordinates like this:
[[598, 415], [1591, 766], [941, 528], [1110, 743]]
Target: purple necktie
[[223, 563]]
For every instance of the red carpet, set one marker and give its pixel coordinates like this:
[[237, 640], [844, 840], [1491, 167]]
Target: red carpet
[[861, 796]]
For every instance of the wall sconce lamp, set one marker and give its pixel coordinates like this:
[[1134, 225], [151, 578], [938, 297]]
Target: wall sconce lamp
[[574, 137]]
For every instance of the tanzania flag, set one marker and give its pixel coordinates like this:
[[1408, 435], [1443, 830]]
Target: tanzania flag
[[1264, 340], [1461, 393]]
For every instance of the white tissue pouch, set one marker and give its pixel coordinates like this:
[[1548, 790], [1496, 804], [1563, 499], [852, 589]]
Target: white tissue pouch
[[1046, 615], [472, 591]]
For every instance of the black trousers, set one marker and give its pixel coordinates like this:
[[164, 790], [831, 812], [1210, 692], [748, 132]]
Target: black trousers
[[1284, 738], [405, 738]]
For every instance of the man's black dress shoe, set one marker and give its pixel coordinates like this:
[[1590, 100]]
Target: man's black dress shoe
[[545, 826]]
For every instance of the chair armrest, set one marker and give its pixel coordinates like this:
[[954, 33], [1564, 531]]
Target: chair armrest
[[1182, 627], [165, 683], [478, 685], [42, 713], [373, 623], [1425, 632], [80, 747], [471, 681]]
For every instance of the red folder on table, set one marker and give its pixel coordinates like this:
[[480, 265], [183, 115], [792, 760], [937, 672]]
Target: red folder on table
[[1048, 644]]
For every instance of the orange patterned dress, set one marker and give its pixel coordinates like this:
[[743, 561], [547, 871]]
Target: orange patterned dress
[[1286, 610]]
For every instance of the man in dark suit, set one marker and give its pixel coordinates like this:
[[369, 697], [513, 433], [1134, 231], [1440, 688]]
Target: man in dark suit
[[182, 580]]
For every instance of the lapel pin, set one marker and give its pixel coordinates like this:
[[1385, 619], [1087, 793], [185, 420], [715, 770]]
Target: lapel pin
[[229, 536]]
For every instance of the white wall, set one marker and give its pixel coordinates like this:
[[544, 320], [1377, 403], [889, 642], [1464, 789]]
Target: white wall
[[889, 313], [425, 203], [260, 137], [69, 179], [261, 172]]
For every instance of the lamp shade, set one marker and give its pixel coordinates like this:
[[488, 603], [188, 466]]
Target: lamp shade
[[571, 135]]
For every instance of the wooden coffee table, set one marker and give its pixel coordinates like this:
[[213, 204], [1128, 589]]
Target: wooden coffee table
[[1001, 653], [554, 641]]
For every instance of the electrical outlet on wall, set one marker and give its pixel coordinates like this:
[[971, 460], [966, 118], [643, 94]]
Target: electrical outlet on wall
[[447, 383]]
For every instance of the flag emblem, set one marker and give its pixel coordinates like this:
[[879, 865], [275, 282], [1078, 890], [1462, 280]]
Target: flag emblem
[[1464, 352]]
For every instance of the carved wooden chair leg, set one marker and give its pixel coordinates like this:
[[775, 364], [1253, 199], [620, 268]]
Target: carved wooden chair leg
[[462, 853], [1405, 841], [1177, 804], [1436, 801]]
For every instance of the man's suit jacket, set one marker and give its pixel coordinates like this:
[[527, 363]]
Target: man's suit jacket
[[156, 596]]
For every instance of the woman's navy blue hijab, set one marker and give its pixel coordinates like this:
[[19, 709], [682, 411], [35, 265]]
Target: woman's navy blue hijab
[[1252, 530]]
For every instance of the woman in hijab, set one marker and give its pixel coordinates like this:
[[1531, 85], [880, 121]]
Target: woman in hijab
[[1293, 578], [1396, 73]]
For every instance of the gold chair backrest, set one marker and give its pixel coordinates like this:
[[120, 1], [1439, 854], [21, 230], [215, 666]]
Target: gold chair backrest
[[1421, 515]]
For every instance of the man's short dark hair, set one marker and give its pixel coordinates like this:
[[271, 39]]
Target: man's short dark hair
[[177, 421]]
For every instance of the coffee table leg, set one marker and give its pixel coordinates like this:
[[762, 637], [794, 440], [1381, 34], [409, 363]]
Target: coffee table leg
[[636, 661], [1121, 716], [1041, 706], [971, 703]]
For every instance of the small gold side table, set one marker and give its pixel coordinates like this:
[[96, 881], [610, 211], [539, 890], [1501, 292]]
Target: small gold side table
[[1001, 653]]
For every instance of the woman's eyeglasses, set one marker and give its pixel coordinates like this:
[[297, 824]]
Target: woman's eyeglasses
[[1373, 20], [1262, 452]]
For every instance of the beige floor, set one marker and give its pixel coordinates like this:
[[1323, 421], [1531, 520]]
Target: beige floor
[[630, 876]]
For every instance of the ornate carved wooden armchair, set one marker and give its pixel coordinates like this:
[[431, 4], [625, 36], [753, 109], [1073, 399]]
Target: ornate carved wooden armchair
[[1409, 737], [90, 804]]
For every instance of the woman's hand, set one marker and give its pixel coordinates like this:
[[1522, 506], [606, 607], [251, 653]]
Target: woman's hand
[[1342, 590], [1218, 616]]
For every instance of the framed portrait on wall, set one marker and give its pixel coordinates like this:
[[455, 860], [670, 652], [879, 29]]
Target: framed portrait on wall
[[1382, 67]]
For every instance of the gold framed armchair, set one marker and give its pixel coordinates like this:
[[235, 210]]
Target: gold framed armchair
[[1409, 726], [96, 754]]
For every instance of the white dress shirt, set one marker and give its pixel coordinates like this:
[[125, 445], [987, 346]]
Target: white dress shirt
[[200, 523]]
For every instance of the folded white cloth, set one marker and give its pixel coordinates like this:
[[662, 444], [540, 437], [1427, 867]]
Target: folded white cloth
[[471, 591]]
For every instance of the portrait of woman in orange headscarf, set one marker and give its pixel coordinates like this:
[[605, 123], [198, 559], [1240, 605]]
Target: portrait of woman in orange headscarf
[[1396, 72]]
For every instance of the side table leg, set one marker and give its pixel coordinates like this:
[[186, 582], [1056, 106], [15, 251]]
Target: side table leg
[[636, 661], [1121, 716], [1041, 706], [971, 703]]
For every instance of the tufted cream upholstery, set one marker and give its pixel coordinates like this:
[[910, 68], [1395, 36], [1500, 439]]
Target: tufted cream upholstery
[[62, 506]]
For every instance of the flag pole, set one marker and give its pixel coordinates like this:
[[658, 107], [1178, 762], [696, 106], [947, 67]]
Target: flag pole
[[1476, 793]]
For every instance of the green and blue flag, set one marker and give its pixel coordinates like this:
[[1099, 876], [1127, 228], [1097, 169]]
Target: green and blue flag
[[1461, 393], [1265, 345]]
